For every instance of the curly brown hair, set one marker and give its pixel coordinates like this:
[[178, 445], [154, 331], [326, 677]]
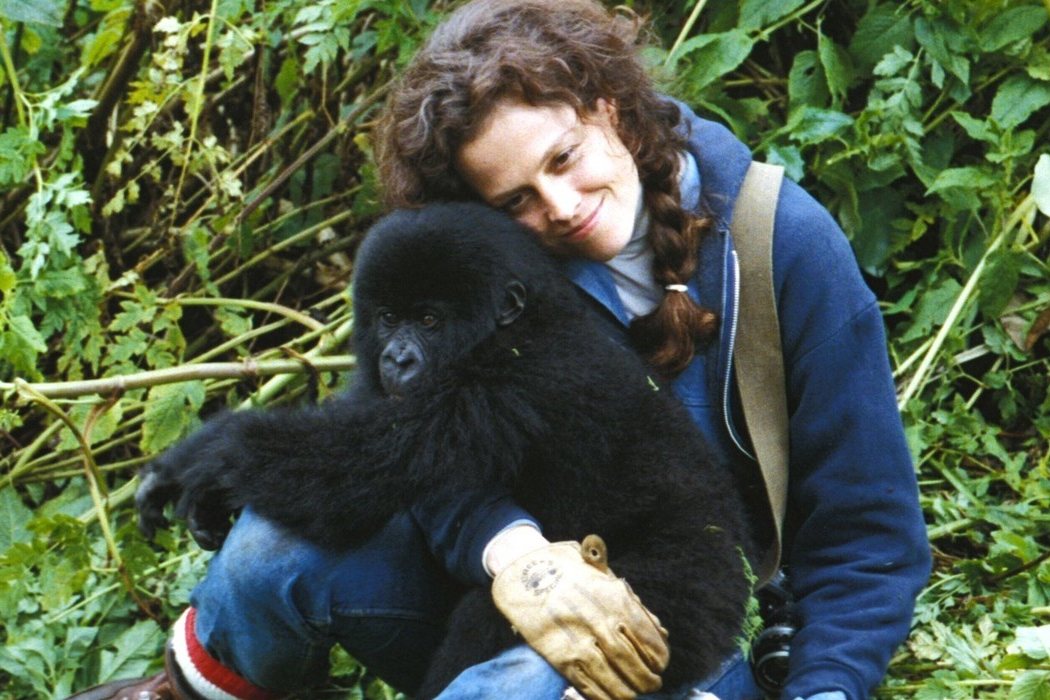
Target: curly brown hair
[[548, 52]]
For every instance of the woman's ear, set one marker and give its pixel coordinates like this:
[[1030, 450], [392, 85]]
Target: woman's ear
[[608, 110]]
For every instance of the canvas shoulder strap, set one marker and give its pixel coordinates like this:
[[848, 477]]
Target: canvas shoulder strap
[[758, 356]]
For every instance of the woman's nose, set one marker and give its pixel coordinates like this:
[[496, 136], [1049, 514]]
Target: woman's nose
[[560, 201]]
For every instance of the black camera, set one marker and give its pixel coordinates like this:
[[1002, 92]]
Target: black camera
[[771, 648]]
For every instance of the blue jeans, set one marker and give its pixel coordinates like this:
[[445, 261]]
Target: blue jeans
[[272, 605]]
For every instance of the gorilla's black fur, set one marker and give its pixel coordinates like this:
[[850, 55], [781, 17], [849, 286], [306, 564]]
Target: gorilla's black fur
[[509, 380]]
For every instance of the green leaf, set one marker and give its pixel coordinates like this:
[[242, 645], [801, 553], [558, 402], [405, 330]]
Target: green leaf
[[1034, 642], [813, 125], [104, 427], [47, 12], [1031, 685], [13, 518], [947, 45], [170, 411], [999, 282], [756, 14], [932, 309], [1041, 184], [18, 153], [975, 128], [894, 62], [788, 156], [1017, 98], [807, 84], [968, 177], [135, 648], [876, 239], [713, 55], [1012, 25], [287, 82], [880, 31], [837, 66]]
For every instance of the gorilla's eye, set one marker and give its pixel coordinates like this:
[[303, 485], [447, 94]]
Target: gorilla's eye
[[389, 318], [429, 320]]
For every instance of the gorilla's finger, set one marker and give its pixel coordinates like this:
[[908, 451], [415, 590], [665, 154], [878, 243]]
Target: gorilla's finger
[[151, 496], [208, 524], [206, 538]]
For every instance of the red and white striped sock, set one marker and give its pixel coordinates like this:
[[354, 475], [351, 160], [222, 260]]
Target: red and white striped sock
[[203, 672]]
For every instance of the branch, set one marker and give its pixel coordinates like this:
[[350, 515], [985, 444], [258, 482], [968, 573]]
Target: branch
[[171, 375]]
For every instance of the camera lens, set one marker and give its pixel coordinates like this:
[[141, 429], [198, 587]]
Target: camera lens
[[769, 657]]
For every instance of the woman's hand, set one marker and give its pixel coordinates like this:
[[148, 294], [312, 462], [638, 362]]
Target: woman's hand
[[587, 623]]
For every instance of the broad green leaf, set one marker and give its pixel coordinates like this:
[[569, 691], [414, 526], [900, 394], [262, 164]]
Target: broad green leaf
[[948, 47], [1041, 184], [135, 648], [1034, 642], [968, 177], [876, 239], [22, 326], [894, 62], [812, 125], [999, 282], [883, 28], [788, 156], [975, 128], [1038, 63], [1017, 98], [837, 66], [932, 309], [807, 84], [106, 41], [170, 410], [103, 428], [287, 82], [47, 12], [18, 151], [1031, 685], [756, 14], [713, 55], [1011, 25], [13, 518]]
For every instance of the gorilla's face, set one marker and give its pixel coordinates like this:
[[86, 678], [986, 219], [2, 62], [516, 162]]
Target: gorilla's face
[[572, 181], [417, 339]]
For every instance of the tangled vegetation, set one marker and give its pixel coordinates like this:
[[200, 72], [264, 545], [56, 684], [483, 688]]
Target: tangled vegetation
[[182, 183]]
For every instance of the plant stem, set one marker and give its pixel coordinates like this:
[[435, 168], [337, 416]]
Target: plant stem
[[195, 109], [686, 28], [185, 373], [12, 76], [271, 307]]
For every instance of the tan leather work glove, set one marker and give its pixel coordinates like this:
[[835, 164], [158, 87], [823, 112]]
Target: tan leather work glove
[[587, 623]]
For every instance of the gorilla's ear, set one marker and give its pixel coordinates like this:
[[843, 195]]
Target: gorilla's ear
[[512, 304]]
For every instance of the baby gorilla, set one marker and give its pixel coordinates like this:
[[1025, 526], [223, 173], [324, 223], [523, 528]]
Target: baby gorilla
[[482, 367]]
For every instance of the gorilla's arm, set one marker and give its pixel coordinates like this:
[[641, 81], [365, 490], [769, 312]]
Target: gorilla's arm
[[335, 473]]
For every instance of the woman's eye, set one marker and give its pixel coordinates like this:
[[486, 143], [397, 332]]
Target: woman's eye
[[513, 204], [565, 157]]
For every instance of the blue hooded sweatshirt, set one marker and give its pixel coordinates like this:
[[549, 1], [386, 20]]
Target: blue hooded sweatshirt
[[854, 536]]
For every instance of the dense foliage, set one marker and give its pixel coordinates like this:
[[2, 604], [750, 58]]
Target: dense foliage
[[182, 183]]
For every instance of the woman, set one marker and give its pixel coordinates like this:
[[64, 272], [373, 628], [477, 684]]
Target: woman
[[541, 108]]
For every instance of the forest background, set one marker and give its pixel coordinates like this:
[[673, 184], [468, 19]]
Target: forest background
[[183, 182]]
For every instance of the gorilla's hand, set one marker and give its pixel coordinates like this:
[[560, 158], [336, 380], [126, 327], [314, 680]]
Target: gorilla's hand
[[190, 475]]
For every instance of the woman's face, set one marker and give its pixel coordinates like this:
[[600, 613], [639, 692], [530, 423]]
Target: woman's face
[[570, 180]]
